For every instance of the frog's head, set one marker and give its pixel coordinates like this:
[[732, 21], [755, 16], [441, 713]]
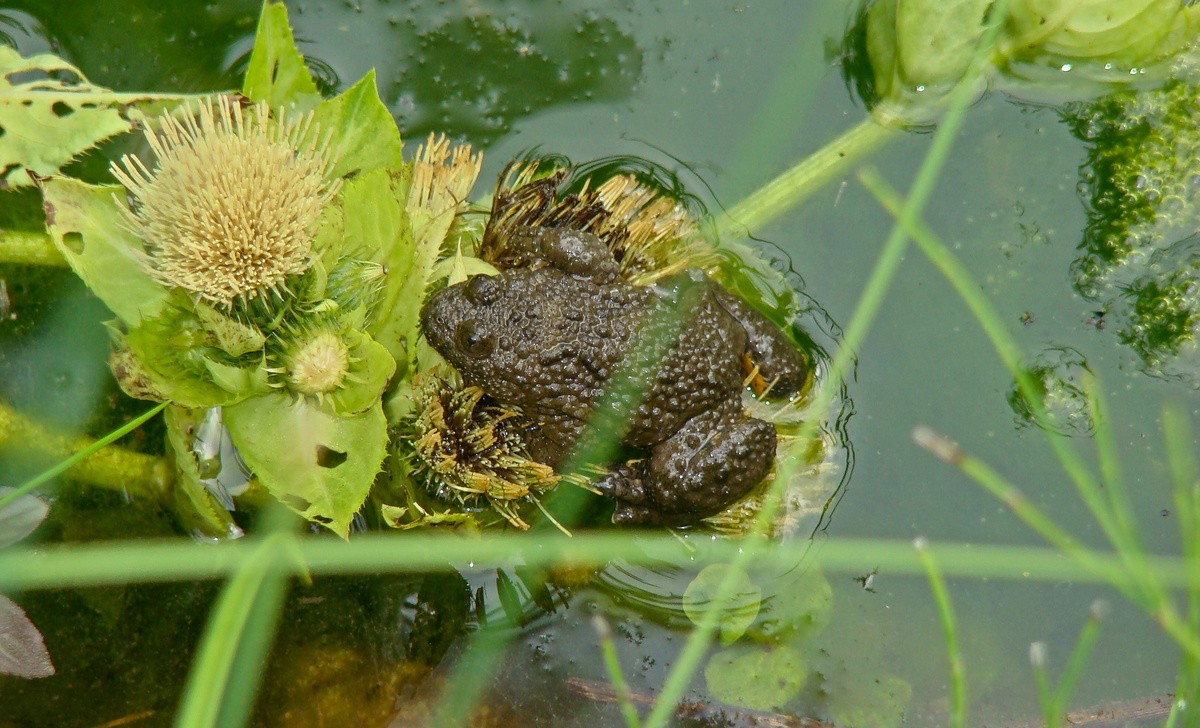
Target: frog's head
[[463, 323]]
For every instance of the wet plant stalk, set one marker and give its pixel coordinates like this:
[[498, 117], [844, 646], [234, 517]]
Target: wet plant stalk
[[795, 185], [29, 248], [941, 597], [89, 461]]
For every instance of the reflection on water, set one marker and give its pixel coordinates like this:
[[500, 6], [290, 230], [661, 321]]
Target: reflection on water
[[459, 69], [1140, 261]]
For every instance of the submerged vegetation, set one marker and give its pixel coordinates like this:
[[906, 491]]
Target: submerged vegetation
[[265, 271]]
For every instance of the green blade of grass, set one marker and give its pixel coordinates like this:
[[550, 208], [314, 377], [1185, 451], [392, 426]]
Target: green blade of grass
[[1131, 573], [225, 673], [1185, 493], [1079, 656], [473, 675], [941, 597], [612, 664], [1037, 660], [106, 563], [1110, 466]]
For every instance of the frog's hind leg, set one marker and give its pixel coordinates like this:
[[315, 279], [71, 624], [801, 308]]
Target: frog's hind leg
[[713, 460], [778, 360]]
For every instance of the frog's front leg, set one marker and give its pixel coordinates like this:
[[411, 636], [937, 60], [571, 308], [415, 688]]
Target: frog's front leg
[[713, 460]]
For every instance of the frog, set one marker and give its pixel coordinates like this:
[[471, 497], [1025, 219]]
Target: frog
[[549, 334]]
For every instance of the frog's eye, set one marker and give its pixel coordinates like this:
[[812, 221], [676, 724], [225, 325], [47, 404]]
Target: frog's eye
[[473, 342], [484, 290]]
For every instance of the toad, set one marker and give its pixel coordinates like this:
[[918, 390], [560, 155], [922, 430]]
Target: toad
[[551, 334]]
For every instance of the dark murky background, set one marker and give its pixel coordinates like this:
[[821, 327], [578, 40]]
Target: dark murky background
[[728, 94]]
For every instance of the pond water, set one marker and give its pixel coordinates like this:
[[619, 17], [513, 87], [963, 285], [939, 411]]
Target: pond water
[[727, 95]]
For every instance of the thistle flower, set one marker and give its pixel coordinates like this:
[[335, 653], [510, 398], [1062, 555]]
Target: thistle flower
[[465, 448], [442, 178], [343, 369], [230, 209], [320, 365]]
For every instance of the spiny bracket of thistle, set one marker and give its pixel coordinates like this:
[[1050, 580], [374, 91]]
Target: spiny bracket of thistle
[[650, 233], [231, 206], [465, 448]]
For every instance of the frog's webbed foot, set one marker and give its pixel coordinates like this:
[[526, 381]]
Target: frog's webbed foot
[[714, 459], [777, 358]]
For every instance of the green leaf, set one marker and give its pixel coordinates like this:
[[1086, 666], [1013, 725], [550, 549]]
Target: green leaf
[[737, 612], [377, 227], [167, 359], [371, 368], [937, 39], [756, 678], [922, 44], [231, 336], [47, 121], [361, 130], [1124, 33], [319, 465], [879, 702], [277, 73], [195, 506], [86, 224]]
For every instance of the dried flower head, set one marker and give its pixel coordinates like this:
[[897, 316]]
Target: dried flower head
[[651, 233], [230, 209], [468, 449]]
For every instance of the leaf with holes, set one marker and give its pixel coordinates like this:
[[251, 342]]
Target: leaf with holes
[[319, 465], [46, 120], [85, 223], [22, 650]]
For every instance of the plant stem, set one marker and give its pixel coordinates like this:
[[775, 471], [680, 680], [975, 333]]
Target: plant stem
[[29, 248], [941, 597], [137, 561], [84, 459], [806, 177]]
